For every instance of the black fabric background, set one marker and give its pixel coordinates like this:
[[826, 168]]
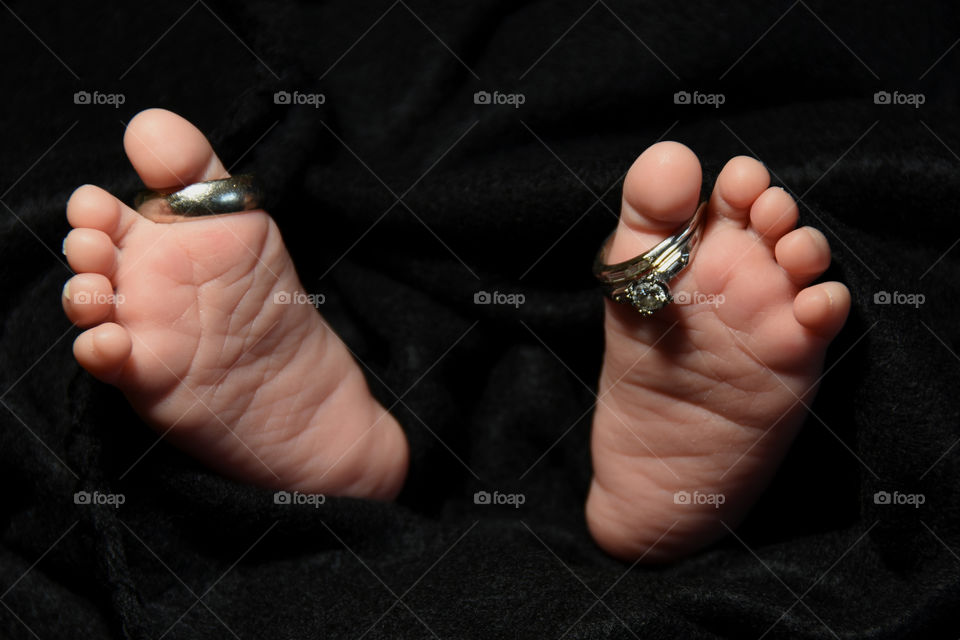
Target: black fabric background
[[518, 205]]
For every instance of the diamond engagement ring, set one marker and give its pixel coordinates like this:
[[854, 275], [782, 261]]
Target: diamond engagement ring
[[210, 198], [642, 281]]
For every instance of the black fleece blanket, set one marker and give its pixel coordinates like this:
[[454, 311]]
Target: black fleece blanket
[[419, 155]]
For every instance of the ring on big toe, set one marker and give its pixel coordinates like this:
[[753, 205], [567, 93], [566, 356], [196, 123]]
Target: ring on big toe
[[643, 281], [210, 198]]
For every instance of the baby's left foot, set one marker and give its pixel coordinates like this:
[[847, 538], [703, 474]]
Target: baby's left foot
[[699, 402]]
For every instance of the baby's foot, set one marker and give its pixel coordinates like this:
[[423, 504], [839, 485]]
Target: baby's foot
[[702, 397], [194, 337]]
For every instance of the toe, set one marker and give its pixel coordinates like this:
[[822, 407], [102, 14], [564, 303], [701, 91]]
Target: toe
[[739, 184], [91, 207], [90, 251], [773, 214], [88, 299], [804, 254], [661, 190], [823, 308], [103, 350], [167, 151]]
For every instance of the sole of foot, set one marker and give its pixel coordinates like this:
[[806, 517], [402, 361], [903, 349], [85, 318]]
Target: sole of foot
[[699, 402], [187, 320]]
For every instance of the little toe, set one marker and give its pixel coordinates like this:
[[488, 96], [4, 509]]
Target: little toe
[[804, 254], [661, 191], [740, 183], [88, 299], [823, 308], [773, 214], [90, 251], [103, 351], [91, 207]]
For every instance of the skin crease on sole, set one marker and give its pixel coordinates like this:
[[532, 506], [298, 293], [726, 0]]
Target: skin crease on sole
[[184, 319]]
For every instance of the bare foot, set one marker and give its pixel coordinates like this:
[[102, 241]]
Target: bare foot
[[699, 402], [185, 321]]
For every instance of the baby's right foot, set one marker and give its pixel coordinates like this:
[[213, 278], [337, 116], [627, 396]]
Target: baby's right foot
[[263, 392], [701, 400]]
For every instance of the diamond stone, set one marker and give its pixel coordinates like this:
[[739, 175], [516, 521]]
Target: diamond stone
[[648, 296]]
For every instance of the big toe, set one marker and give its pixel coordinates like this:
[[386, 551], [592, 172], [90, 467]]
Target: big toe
[[661, 190], [167, 151]]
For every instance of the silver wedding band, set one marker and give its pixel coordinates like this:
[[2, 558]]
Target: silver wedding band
[[210, 198]]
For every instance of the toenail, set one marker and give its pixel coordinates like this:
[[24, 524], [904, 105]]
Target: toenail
[[66, 290], [63, 246], [815, 234]]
